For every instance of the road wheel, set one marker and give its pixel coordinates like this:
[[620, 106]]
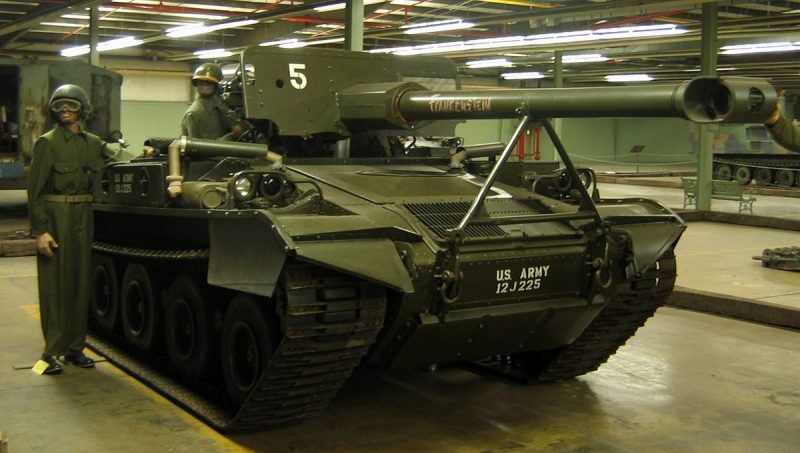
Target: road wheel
[[723, 172], [104, 298], [743, 175], [140, 313], [785, 178], [764, 176], [190, 336], [246, 346]]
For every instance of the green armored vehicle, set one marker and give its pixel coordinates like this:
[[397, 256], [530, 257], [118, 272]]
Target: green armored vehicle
[[246, 280]]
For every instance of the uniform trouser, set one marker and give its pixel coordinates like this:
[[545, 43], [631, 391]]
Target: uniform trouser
[[65, 279]]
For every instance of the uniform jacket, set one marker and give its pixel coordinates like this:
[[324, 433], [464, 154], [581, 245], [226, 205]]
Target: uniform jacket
[[206, 118], [63, 164], [786, 134]]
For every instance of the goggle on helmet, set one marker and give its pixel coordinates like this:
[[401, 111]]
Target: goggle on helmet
[[68, 105]]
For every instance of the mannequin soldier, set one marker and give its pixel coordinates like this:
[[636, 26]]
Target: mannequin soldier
[[206, 118], [64, 163]]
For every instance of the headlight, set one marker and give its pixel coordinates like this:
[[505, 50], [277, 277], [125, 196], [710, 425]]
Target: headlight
[[271, 186], [243, 188]]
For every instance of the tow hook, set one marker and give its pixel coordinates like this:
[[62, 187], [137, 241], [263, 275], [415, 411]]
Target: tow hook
[[450, 287]]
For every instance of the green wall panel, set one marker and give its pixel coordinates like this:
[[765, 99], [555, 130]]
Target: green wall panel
[[144, 119]]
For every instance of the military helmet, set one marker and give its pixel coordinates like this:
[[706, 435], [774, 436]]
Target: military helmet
[[75, 93], [209, 72]]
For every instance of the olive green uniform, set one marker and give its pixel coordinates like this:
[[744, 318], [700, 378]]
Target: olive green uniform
[[786, 134], [59, 184], [206, 118]]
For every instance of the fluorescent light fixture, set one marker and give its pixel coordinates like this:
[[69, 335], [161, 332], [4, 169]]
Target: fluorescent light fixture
[[522, 75], [760, 48], [279, 42], [187, 30], [199, 29], [297, 44], [325, 41], [405, 2], [338, 6], [75, 51], [334, 7], [546, 39], [213, 53], [119, 43], [629, 78], [586, 58], [293, 45], [434, 27], [62, 24], [494, 63]]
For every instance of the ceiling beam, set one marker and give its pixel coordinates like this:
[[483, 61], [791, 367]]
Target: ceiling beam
[[33, 18]]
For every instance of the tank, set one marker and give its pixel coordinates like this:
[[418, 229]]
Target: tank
[[776, 170], [247, 280]]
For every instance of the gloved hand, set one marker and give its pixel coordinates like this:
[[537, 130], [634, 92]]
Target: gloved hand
[[46, 244]]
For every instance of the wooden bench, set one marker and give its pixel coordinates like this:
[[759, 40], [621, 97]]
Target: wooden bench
[[720, 190]]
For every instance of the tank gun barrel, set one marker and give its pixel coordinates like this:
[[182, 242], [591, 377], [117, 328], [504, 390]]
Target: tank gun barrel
[[703, 100]]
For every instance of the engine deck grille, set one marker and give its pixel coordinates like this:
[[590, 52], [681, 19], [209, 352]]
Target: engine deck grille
[[440, 217]]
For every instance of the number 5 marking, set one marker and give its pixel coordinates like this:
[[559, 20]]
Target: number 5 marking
[[298, 79]]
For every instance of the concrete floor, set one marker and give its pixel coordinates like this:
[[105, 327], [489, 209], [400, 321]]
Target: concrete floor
[[687, 381]]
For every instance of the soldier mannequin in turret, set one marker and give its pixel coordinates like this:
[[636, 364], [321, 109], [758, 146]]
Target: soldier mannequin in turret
[[206, 118], [65, 161]]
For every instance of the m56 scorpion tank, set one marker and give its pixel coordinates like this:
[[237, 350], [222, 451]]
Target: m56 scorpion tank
[[247, 280]]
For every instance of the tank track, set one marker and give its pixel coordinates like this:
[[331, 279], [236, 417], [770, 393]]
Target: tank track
[[317, 353], [630, 308]]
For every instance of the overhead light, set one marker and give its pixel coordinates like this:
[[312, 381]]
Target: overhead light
[[187, 30], [494, 63], [279, 42], [760, 48], [75, 51], [405, 2], [213, 53], [293, 45], [199, 29], [62, 24], [522, 75], [434, 27], [586, 58], [546, 39], [629, 78], [338, 6], [119, 43]]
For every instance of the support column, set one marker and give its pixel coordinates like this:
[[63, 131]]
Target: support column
[[94, 36], [708, 67], [354, 25], [558, 82]]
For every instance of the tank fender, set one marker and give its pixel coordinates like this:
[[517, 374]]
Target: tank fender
[[246, 253], [649, 241], [376, 260]]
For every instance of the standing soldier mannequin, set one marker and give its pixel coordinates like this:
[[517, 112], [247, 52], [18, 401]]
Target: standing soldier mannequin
[[64, 163], [206, 118]]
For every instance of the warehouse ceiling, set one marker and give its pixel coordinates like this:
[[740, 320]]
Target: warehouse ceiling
[[519, 31]]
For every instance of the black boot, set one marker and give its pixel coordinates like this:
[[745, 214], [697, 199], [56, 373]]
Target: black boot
[[53, 367], [78, 358]]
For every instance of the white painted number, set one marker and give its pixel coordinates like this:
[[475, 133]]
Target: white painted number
[[298, 79]]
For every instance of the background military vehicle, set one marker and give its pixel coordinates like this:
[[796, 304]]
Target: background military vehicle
[[258, 275], [25, 88]]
